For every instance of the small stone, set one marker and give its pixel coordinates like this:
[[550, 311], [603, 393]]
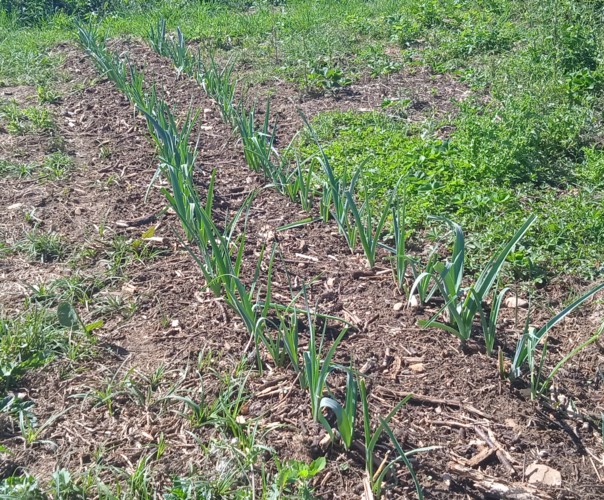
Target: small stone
[[398, 306], [417, 367], [513, 303], [539, 473]]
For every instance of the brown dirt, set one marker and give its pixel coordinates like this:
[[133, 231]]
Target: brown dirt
[[459, 396], [430, 96], [26, 147]]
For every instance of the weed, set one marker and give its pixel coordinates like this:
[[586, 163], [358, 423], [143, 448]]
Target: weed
[[17, 169], [47, 94], [69, 318], [23, 120], [106, 395], [43, 246], [377, 62], [64, 486], [18, 409], [115, 305], [78, 289], [28, 340], [57, 165], [32, 432], [293, 477], [322, 75], [123, 251], [24, 486]]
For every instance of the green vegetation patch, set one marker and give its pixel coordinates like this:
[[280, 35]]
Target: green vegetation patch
[[29, 340], [478, 185], [20, 120]]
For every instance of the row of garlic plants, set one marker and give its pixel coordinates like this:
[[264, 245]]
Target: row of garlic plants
[[219, 252], [465, 299]]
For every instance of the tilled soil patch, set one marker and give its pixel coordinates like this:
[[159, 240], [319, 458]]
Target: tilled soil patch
[[428, 96]]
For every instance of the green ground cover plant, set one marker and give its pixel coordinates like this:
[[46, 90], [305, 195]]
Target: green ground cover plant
[[21, 120], [440, 180]]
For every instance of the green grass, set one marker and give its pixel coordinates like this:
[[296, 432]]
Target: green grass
[[55, 166], [286, 40], [26, 55], [232, 460], [16, 169], [29, 340], [43, 246], [21, 120]]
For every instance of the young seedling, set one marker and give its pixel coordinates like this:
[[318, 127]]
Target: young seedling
[[531, 338], [317, 368], [543, 385], [157, 37], [399, 226], [422, 280], [368, 230], [345, 415], [376, 475], [258, 145], [217, 83], [463, 305], [489, 322]]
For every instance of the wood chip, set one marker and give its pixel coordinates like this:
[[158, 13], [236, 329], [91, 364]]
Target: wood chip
[[539, 473], [515, 302], [482, 456], [496, 487]]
